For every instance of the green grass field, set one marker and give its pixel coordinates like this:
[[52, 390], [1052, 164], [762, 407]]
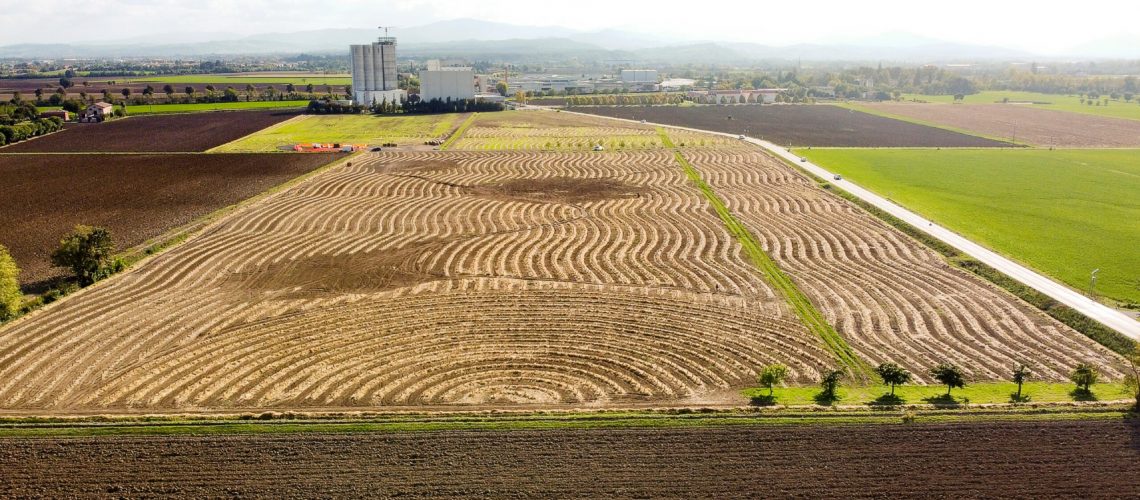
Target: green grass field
[[300, 79], [984, 393], [1059, 102], [154, 109], [347, 129], [1063, 212]]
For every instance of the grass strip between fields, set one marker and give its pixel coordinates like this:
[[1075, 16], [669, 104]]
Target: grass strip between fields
[[809, 315], [289, 423], [455, 136], [1092, 329]]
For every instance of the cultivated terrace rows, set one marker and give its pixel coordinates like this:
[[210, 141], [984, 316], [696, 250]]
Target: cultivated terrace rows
[[891, 298], [427, 279]]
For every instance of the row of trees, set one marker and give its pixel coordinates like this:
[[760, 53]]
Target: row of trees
[[88, 252], [625, 100], [1084, 375], [11, 134]]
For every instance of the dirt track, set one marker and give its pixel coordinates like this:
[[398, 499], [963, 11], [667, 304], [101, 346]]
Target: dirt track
[[1032, 460]]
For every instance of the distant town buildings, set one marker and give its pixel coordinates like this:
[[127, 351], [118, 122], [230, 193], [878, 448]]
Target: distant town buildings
[[640, 80], [374, 77]]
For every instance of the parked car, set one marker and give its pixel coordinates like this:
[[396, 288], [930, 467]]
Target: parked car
[[838, 177], [376, 150]]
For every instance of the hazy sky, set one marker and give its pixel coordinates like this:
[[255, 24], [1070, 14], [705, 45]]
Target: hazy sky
[[1018, 24]]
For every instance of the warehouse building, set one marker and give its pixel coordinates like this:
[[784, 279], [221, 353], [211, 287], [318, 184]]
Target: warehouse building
[[374, 77], [444, 82], [639, 79]]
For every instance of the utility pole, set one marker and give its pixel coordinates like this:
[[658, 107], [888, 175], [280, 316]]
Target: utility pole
[[1092, 281]]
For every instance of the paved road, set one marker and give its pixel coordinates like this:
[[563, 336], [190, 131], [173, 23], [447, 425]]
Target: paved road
[[1106, 315]]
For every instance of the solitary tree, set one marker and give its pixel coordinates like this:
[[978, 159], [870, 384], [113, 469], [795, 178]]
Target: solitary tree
[[950, 375], [893, 374], [1020, 375], [309, 89], [148, 92], [249, 88], [87, 252], [772, 375], [126, 93], [10, 296], [168, 89], [189, 91], [830, 383], [1084, 375], [289, 88]]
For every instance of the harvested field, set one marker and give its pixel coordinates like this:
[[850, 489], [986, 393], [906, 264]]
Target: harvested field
[[800, 125], [546, 131], [193, 132], [1022, 123], [1005, 460], [891, 298], [430, 280], [137, 197]]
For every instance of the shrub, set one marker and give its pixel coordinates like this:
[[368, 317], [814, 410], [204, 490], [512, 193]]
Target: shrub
[[87, 253], [1020, 375], [10, 296], [830, 384]]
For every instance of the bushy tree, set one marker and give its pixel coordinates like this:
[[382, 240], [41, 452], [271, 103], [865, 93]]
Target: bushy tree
[[830, 384], [1132, 381], [1084, 375], [893, 375], [87, 253], [773, 374], [950, 375], [10, 296], [1021, 374]]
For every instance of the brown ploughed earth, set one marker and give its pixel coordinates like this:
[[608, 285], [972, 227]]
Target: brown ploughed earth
[[1023, 123], [137, 197], [1099, 458], [799, 125], [173, 133]]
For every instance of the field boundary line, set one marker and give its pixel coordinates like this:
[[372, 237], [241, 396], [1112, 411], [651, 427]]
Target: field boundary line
[[1082, 305], [892, 116], [455, 136], [809, 315], [217, 149]]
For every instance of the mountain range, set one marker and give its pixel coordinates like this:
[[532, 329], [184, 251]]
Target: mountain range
[[490, 41]]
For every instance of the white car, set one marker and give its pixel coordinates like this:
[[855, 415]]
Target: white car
[[741, 137], [599, 148], [838, 177]]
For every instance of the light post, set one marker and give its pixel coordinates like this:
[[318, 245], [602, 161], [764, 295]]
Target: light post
[[1092, 281]]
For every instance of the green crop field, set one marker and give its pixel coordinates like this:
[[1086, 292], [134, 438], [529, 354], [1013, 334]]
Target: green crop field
[[254, 78], [406, 130], [154, 109], [1059, 102], [1063, 212]]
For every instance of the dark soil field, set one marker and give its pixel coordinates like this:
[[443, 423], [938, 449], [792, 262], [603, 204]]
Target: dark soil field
[[191, 132], [137, 197], [1025, 460], [799, 125]]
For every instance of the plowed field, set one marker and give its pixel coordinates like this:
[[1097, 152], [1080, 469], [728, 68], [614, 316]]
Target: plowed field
[[137, 197], [1041, 127], [175, 133], [891, 298], [800, 125], [546, 131], [428, 279], [1005, 460]]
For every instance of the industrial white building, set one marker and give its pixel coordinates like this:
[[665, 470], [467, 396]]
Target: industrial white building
[[374, 77], [444, 82], [639, 79]]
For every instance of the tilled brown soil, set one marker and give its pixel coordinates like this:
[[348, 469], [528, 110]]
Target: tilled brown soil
[[190, 132], [800, 125], [137, 197], [1042, 127], [1027, 460]]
